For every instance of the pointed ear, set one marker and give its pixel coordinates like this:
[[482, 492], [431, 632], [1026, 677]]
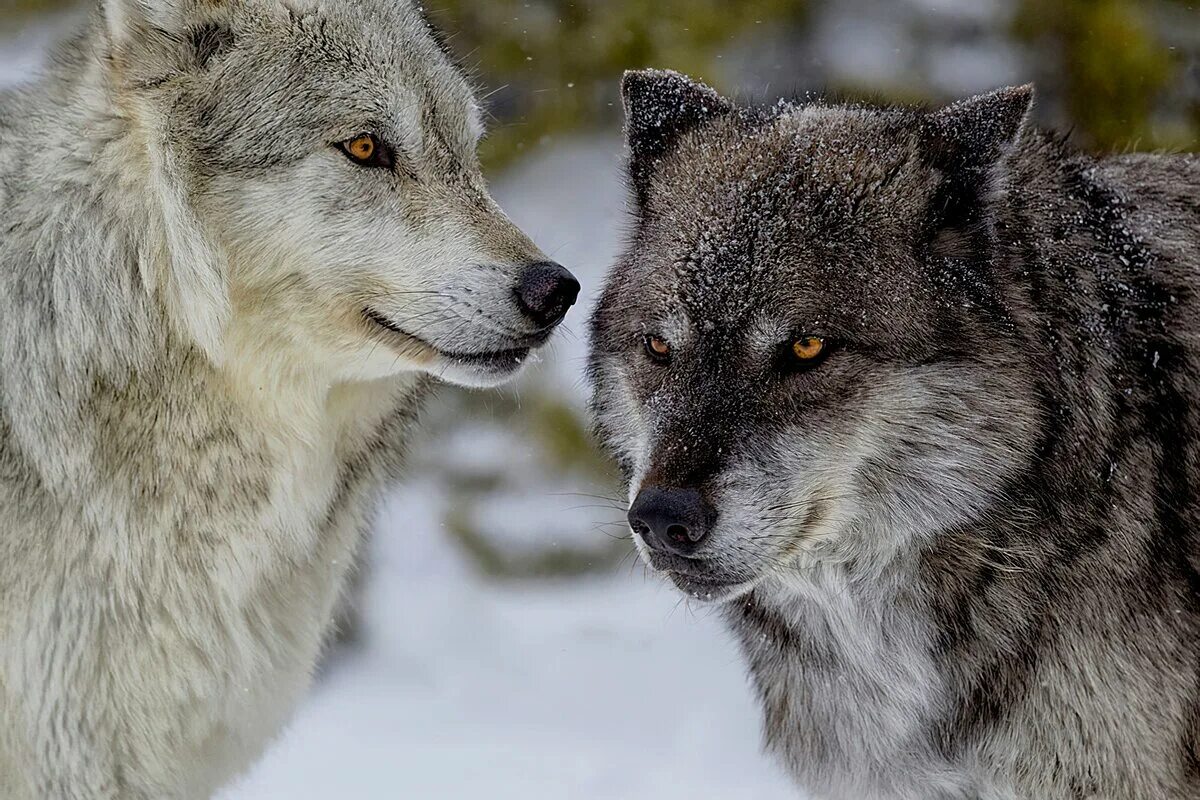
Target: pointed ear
[[978, 132], [179, 33], [969, 142], [150, 40], [660, 107], [129, 19]]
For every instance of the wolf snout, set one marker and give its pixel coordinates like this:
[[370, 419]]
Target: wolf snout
[[675, 521], [546, 292]]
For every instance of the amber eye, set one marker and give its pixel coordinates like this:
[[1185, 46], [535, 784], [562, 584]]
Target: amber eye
[[658, 349], [361, 147], [808, 349], [366, 150]]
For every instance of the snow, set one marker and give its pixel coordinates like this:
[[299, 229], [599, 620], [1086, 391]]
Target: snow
[[571, 199], [609, 687], [591, 690]]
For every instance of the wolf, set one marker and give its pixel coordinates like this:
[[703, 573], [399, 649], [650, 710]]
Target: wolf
[[241, 240], [909, 395]]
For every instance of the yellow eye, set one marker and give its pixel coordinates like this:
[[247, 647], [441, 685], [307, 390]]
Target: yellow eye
[[809, 348], [367, 151], [362, 147], [657, 348]]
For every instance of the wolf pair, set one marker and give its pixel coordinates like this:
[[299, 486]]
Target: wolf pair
[[907, 393]]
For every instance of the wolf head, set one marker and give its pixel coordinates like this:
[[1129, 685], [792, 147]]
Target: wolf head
[[321, 201], [809, 351]]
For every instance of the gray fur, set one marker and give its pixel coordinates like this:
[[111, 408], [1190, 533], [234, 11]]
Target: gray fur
[[960, 554], [196, 415]]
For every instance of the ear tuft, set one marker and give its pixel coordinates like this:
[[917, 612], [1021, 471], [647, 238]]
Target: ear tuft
[[660, 107], [979, 131], [143, 28]]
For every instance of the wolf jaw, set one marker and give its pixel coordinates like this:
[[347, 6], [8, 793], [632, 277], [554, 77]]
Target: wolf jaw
[[196, 415], [959, 554]]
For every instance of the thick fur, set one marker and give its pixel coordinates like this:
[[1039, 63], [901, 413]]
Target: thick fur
[[960, 554], [196, 408]]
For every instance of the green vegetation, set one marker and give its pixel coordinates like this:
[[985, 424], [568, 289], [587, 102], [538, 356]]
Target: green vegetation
[[549, 561], [12, 8], [554, 64], [558, 62], [558, 434], [1116, 69]]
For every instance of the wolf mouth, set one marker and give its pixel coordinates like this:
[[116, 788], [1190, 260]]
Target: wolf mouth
[[503, 360], [697, 579], [709, 590]]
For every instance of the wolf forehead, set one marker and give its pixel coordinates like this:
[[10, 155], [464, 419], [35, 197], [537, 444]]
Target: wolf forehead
[[324, 68], [802, 216], [814, 210], [818, 168], [384, 35]]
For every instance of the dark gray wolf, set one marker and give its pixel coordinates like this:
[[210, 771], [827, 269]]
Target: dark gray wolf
[[238, 240], [912, 395]]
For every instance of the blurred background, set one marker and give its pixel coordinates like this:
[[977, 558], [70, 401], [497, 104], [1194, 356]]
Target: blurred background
[[504, 639]]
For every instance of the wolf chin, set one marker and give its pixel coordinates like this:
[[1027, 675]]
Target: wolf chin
[[911, 395], [240, 239]]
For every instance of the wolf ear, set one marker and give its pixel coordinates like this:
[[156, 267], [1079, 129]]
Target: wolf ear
[[150, 40], [141, 30], [969, 143], [978, 132], [660, 107]]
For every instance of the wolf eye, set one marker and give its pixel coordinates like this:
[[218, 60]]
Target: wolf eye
[[808, 348], [366, 150], [807, 352], [658, 349]]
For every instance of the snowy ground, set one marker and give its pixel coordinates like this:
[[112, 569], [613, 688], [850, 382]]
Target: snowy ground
[[608, 688], [605, 690]]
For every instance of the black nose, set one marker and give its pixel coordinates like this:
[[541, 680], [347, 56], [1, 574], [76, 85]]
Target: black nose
[[547, 291], [674, 520]]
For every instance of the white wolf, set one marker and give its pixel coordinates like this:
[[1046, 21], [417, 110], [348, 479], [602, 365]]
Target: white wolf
[[238, 238]]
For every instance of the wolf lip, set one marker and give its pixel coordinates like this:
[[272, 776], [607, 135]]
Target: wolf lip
[[493, 360], [704, 588], [696, 577], [506, 359]]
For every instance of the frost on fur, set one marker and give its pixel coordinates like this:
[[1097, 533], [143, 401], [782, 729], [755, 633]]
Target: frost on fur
[[660, 107], [978, 131]]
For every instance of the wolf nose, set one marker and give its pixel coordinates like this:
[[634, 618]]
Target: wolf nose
[[546, 292], [673, 520]]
